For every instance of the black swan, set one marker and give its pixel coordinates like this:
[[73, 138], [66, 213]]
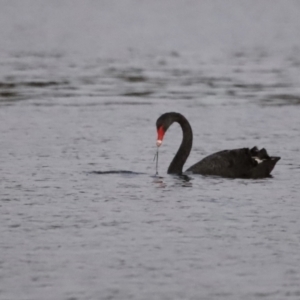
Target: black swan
[[237, 163]]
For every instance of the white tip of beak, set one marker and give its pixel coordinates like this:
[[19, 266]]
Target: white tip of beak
[[158, 143]]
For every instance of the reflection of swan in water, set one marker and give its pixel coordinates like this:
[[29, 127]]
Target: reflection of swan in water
[[237, 163]]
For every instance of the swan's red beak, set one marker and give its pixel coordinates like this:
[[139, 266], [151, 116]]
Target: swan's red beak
[[160, 136]]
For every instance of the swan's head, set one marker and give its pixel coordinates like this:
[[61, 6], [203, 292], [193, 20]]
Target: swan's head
[[162, 125]]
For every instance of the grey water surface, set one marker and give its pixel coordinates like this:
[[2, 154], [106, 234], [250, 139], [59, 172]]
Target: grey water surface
[[81, 86]]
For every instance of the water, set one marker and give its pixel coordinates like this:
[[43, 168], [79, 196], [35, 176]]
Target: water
[[81, 86]]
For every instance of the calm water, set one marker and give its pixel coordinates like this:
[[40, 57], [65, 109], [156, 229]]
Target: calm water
[[81, 86]]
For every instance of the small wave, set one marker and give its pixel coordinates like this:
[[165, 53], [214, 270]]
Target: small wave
[[115, 172]]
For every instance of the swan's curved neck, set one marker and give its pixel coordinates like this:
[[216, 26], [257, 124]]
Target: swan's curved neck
[[185, 147]]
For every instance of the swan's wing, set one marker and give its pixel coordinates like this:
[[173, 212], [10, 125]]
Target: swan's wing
[[237, 163], [228, 163]]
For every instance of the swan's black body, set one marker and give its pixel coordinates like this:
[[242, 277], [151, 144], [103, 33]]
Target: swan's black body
[[237, 163]]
